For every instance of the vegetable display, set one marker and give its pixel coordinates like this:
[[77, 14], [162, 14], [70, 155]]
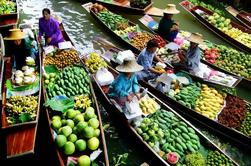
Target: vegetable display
[[94, 62], [195, 159], [7, 7], [63, 58], [215, 158], [21, 109], [71, 81]]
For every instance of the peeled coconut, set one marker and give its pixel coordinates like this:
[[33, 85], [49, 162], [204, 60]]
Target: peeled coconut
[[24, 68], [27, 80], [19, 80], [28, 72], [19, 73], [30, 61]]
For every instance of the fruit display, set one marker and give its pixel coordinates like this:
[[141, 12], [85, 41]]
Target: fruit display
[[95, 62], [188, 95], [63, 58], [233, 113], [21, 109], [76, 131], [82, 102], [139, 3], [49, 79], [71, 81], [161, 42], [124, 32], [195, 159], [7, 7], [225, 25], [159, 68], [148, 105], [211, 55], [96, 8], [111, 19], [215, 158], [140, 40], [210, 102], [246, 124]]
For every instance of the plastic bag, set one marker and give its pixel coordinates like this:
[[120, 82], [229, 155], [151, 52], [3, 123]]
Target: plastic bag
[[133, 106], [104, 77]]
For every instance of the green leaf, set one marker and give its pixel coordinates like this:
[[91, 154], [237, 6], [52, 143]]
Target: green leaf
[[60, 104], [24, 117]]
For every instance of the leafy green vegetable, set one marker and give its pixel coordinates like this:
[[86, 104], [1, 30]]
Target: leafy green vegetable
[[60, 104]]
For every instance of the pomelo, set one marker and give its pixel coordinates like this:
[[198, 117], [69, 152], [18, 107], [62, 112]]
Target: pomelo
[[93, 143], [88, 132], [96, 132], [60, 140], [81, 125], [56, 124], [69, 148], [80, 145], [73, 138], [70, 123], [71, 113], [84, 160], [94, 123], [56, 117], [66, 130], [78, 118], [89, 113], [63, 121]]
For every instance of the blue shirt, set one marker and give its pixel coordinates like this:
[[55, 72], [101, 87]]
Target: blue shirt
[[122, 86], [193, 58], [164, 29], [145, 59]]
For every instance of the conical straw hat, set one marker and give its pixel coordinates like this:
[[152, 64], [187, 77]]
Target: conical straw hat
[[196, 38], [129, 66], [171, 9], [15, 34]]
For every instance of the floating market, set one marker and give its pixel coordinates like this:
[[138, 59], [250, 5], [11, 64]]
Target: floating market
[[125, 82]]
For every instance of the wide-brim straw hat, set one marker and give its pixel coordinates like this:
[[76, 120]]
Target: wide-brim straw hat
[[129, 66], [171, 9], [15, 34], [196, 38]]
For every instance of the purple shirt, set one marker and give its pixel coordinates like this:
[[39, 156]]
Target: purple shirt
[[51, 29]]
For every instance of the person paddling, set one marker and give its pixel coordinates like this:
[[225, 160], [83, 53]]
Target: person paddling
[[168, 28]]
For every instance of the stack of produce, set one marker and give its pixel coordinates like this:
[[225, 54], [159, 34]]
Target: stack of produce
[[125, 31], [178, 137], [225, 25], [96, 8], [161, 42], [63, 58], [71, 81], [215, 158], [21, 109], [234, 113], [148, 105], [210, 102], [94, 62], [140, 40], [111, 19], [77, 131], [188, 95], [234, 61], [7, 7], [246, 124], [139, 3], [211, 55]]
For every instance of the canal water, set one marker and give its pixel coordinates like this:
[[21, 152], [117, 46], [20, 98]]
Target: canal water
[[83, 30]]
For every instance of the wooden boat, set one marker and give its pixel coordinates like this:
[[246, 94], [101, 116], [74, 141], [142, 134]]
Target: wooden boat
[[114, 111], [194, 11], [228, 133], [128, 44], [242, 16], [61, 158], [2, 52], [243, 82], [18, 140], [10, 19]]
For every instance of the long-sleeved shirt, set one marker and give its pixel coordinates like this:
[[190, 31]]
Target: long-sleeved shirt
[[145, 59], [193, 58], [164, 29], [51, 30], [122, 86]]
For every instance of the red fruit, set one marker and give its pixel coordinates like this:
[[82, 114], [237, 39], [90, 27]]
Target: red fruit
[[172, 157]]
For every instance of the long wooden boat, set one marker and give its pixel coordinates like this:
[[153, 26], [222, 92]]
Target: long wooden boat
[[18, 140], [127, 44], [10, 19], [115, 112], [195, 10], [228, 133], [61, 158], [242, 16], [243, 83], [2, 52]]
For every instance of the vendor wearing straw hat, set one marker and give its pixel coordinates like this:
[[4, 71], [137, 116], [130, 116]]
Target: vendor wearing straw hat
[[191, 58], [168, 29], [125, 86], [19, 49]]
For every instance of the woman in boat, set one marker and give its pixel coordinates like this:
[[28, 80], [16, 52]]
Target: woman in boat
[[49, 28], [125, 86], [19, 49], [190, 60], [146, 59], [168, 29]]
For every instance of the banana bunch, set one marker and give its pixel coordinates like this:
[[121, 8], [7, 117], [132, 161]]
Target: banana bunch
[[82, 102], [94, 62], [125, 31], [159, 68]]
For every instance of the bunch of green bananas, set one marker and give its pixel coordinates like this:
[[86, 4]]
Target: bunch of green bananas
[[82, 102]]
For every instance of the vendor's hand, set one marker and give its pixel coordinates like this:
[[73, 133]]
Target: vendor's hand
[[138, 96], [129, 98], [48, 40]]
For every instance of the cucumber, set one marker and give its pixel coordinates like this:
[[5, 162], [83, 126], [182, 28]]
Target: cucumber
[[178, 130], [185, 136], [184, 129], [191, 130], [183, 124], [179, 147], [183, 146], [190, 148], [193, 136], [174, 133], [172, 148], [161, 120], [178, 140]]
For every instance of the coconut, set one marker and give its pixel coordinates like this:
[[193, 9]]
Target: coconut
[[25, 68], [19, 73], [27, 80], [30, 61], [28, 72], [19, 80]]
